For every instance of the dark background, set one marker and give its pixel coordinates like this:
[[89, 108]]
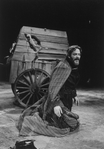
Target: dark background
[[82, 19]]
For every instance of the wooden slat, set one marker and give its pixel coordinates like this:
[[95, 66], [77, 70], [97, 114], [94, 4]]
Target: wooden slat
[[45, 44], [51, 58], [30, 56], [47, 38], [48, 68], [23, 56], [13, 71], [28, 65], [20, 67], [43, 50], [41, 31], [54, 45], [44, 62]]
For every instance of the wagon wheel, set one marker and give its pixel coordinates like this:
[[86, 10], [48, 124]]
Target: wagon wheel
[[30, 86]]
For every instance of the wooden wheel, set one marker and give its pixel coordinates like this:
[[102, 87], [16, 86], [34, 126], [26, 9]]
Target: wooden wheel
[[30, 86]]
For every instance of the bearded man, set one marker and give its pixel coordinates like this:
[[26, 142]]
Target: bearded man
[[54, 109], [68, 90]]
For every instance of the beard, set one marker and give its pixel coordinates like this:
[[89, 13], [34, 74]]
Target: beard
[[73, 62], [76, 62]]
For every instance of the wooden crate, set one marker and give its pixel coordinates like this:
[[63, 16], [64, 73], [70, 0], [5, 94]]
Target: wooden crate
[[54, 45]]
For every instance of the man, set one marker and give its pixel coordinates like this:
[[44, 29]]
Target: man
[[68, 90], [62, 87], [53, 111]]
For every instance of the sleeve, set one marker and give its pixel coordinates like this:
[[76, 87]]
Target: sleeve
[[58, 103], [59, 76]]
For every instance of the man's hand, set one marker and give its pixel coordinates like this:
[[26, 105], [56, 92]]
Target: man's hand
[[76, 100], [58, 111]]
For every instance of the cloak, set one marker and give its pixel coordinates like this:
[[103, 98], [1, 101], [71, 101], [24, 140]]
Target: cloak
[[31, 123], [58, 78]]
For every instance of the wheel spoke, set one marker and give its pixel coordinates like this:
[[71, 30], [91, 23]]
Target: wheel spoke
[[35, 77], [33, 98], [25, 96], [20, 87], [40, 78], [23, 92], [29, 99], [40, 94], [46, 78], [37, 98], [26, 79], [30, 76], [22, 82], [44, 84]]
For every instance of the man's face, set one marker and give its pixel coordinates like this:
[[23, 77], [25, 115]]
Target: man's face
[[75, 57]]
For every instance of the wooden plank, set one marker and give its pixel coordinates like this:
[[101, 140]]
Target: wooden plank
[[48, 38], [43, 66], [28, 65], [24, 49], [35, 65], [54, 45], [40, 65], [45, 44], [21, 67], [48, 68], [23, 56], [34, 30], [32, 65], [51, 58], [13, 71], [30, 56], [16, 69]]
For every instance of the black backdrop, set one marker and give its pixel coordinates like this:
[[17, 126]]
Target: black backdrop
[[82, 19]]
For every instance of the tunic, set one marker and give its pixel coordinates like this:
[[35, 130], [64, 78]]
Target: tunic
[[68, 91]]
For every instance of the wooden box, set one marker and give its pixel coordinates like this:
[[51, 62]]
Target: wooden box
[[54, 45]]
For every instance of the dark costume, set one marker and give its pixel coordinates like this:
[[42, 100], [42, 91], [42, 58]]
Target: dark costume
[[40, 118], [68, 90]]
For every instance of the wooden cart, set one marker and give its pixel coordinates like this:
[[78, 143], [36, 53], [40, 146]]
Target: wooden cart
[[30, 79]]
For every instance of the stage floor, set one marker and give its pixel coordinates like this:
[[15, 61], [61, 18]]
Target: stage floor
[[89, 136]]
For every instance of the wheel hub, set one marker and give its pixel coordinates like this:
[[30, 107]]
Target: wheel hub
[[33, 88]]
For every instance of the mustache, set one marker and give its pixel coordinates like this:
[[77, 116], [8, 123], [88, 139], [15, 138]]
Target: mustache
[[76, 59]]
